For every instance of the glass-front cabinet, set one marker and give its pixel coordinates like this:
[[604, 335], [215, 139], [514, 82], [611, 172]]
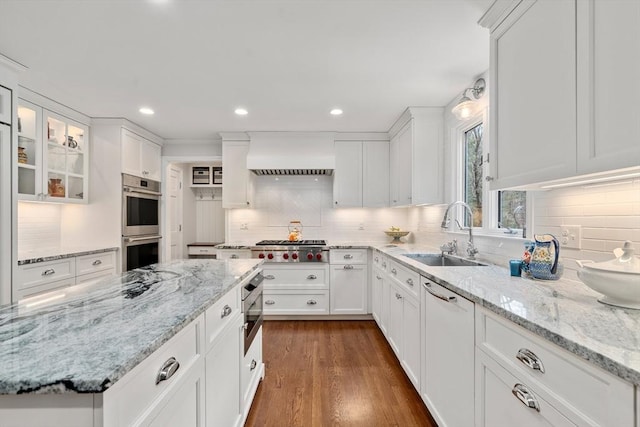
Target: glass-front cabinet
[[53, 156]]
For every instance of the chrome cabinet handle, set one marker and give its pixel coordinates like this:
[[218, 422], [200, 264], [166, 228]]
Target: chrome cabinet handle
[[427, 286], [203, 251], [167, 370], [234, 256], [312, 277], [393, 271], [410, 282], [488, 178], [225, 312], [253, 364], [269, 277], [530, 359], [269, 302], [312, 302], [348, 267], [96, 262], [348, 256], [378, 277], [48, 272], [525, 396], [376, 259], [384, 265], [398, 296]]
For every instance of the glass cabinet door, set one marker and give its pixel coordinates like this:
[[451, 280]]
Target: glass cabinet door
[[29, 151]]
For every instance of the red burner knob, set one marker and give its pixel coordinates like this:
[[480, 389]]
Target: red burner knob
[[261, 256], [318, 257], [270, 256], [285, 256], [294, 256], [309, 257]]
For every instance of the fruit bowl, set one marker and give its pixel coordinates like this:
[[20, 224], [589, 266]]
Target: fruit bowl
[[396, 235]]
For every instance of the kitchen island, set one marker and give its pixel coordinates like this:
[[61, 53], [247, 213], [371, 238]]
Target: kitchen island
[[71, 351]]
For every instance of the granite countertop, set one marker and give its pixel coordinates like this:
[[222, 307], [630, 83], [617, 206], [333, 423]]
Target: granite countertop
[[204, 244], [563, 312], [88, 341], [52, 254]]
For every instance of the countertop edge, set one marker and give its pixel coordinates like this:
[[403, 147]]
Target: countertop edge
[[70, 254]]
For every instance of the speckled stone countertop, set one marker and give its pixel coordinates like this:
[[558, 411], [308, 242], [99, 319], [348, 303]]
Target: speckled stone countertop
[[32, 257], [89, 340], [563, 312]]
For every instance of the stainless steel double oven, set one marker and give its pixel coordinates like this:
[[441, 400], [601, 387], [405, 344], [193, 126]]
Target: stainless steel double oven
[[140, 222]]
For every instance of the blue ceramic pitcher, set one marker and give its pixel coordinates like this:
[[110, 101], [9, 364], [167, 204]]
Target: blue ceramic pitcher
[[544, 259]]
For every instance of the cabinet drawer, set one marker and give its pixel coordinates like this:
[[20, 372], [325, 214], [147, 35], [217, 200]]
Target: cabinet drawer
[[220, 314], [592, 393], [97, 262], [296, 302], [134, 395], [35, 275], [348, 256], [250, 368], [380, 260], [233, 253], [296, 276], [409, 279], [201, 250]]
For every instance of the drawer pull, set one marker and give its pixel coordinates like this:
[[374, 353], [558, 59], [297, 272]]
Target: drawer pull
[[269, 302], [312, 277], [525, 396], [398, 296], [348, 256], [393, 271], [427, 286], [312, 302], [253, 364], [378, 277], [269, 277], [348, 267], [48, 272], [225, 311], [234, 256], [530, 359], [376, 259], [96, 262], [204, 251], [167, 370], [410, 282]]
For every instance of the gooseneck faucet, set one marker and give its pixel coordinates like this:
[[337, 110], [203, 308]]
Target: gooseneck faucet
[[471, 249]]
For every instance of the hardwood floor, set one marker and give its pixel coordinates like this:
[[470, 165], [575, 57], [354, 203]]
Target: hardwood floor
[[333, 373]]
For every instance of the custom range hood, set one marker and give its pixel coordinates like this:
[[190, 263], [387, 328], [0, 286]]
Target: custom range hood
[[291, 153]]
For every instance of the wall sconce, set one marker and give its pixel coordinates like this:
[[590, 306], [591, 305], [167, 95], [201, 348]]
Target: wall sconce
[[466, 108]]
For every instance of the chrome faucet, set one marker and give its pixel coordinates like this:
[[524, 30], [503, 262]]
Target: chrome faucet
[[471, 249]]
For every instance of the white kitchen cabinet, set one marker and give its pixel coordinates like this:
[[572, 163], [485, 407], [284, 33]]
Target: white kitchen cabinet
[[377, 292], [141, 157], [608, 85], [375, 174], [416, 174], [251, 372], [6, 114], [559, 380], [233, 253], [447, 369], [237, 187], [52, 156], [404, 329], [347, 177], [296, 288], [349, 279]]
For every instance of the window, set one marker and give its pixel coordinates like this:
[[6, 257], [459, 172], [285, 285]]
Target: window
[[492, 210]]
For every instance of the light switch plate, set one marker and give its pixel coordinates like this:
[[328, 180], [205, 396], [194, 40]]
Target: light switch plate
[[571, 236]]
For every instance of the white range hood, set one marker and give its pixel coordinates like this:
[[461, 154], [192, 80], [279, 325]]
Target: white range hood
[[291, 153]]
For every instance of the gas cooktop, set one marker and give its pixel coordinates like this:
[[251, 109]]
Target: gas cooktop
[[291, 243]]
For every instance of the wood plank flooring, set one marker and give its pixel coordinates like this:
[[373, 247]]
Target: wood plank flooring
[[333, 373]]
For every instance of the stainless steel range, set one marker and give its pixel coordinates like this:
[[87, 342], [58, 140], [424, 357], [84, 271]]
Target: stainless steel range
[[287, 251]]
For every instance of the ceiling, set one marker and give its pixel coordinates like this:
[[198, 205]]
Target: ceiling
[[287, 62]]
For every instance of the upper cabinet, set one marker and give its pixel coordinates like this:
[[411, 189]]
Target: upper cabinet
[[52, 156], [237, 185], [140, 157], [416, 157], [5, 105], [564, 84]]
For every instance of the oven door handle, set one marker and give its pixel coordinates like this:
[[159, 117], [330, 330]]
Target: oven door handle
[[140, 191], [140, 239]]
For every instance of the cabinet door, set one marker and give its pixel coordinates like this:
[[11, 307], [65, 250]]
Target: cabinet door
[[131, 152], [394, 165], [411, 339], [348, 289], [150, 160], [609, 88], [375, 174], [235, 186], [376, 296], [29, 151], [347, 179], [404, 168], [223, 378], [533, 116], [6, 113], [448, 363], [394, 334]]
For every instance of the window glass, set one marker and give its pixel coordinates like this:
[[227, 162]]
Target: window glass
[[473, 177], [512, 209]]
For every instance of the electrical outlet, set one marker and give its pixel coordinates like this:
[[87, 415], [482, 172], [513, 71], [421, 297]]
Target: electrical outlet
[[361, 226], [571, 236], [244, 226]]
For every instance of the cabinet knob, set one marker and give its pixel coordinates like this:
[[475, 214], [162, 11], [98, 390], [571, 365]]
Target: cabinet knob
[[312, 302], [269, 277], [96, 262], [398, 296], [248, 203], [410, 282], [525, 396], [336, 202], [378, 277], [348, 267], [48, 272], [167, 370], [225, 311], [312, 277], [348, 256], [269, 302], [253, 364], [488, 178], [530, 359], [234, 256], [394, 271]]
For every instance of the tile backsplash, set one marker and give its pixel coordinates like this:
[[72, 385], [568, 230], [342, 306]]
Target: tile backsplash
[[39, 226]]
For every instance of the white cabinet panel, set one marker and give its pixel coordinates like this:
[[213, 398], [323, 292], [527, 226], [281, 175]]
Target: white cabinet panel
[[140, 157], [233, 253], [6, 114], [349, 289], [404, 330], [347, 177], [295, 302], [375, 174], [237, 185]]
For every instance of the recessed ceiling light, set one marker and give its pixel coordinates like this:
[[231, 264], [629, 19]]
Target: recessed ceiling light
[[146, 110], [336, 112], [241, 111]]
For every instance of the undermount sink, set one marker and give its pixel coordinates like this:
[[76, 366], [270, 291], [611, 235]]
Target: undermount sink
[[439, 260]]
